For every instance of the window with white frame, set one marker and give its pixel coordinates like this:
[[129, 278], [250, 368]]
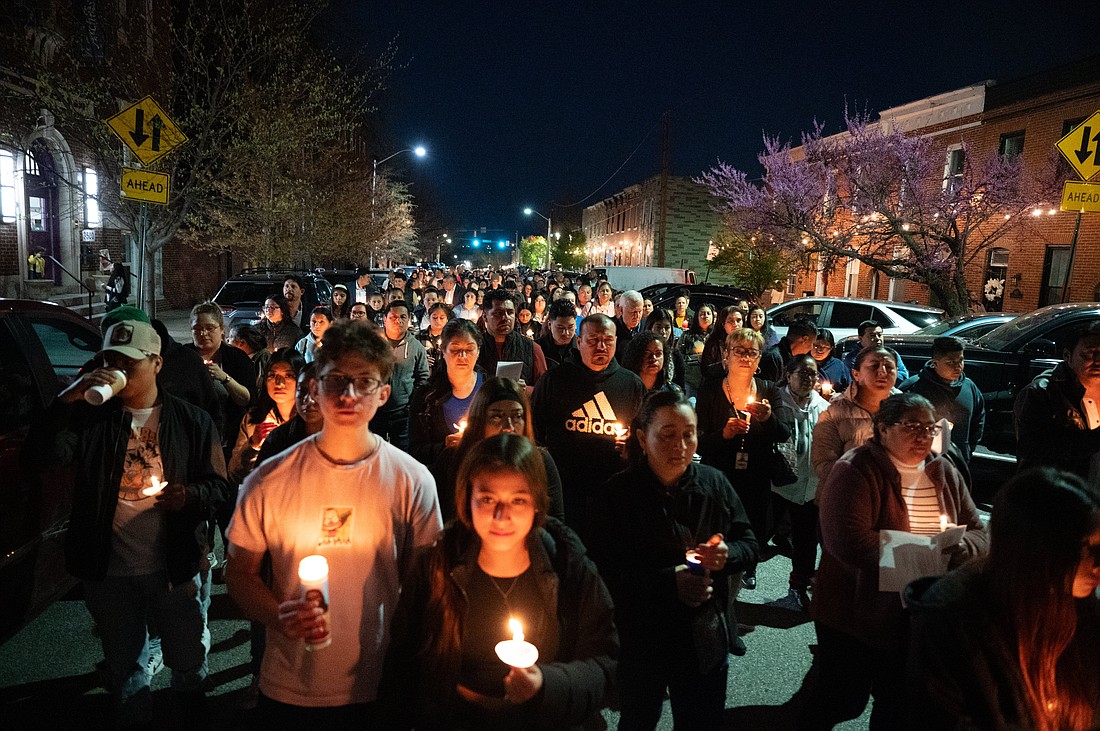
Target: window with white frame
[[953, 167], [792, 284], [92, 217], [7, 186]]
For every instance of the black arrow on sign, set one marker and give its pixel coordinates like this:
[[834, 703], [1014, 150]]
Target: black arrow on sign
[[156, 124], [138, 135], [1084, 151]]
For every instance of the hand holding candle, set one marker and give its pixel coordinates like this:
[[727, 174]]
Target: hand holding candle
[[826, 389], [713, 554], [517, 652], [313, 573], [154, 488]]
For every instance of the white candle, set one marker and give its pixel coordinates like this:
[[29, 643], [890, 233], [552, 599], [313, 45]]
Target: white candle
[[826, 389], [517, 652], [748, 414], [313, 573], [461, 426], [943, 522], [154, 488], [694, 563]]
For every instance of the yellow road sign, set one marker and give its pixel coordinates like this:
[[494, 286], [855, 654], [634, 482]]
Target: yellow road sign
[[1081, 197], [1081, 147], [146, 130], [143, 185]]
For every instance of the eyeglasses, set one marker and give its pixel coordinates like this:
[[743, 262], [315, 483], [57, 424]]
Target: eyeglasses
[[204, 330], [917, 429], [336, 384], [823, 348], [269, 308], [498, 418], [746, 353]]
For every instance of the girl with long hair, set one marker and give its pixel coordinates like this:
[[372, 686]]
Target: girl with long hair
[[729, 319], [431, 337], [660, 322], [690, 345], [341, 308], [274, 406], [830, 368], [758, 321], [1010, 642], [645, 356], [502, 560]]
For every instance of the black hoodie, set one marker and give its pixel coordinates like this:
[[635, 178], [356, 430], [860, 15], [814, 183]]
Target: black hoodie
[[960, 402], [575, 410]]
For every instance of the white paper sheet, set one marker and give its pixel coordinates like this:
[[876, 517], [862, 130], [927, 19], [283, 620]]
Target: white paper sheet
[[905, 557], [510, 369]]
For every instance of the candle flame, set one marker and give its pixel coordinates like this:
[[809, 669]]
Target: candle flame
[[516, 629], [750, 400], [313, 568], [461, 426], [155, 487]]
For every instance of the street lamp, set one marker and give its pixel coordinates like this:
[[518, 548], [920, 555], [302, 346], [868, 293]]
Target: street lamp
[[419, 151], [529, 211]]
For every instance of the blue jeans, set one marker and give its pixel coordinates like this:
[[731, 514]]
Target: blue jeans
[[123, 607]]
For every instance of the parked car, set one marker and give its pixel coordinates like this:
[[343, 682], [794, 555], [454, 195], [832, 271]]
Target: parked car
[[242, 297], [843, 315], [664, 295], [44, 346], [967, 327], [1006, 359]]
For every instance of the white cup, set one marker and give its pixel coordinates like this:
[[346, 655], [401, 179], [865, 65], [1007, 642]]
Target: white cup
[[99, 395]]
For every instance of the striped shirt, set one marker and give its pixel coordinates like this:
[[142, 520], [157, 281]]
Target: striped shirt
[[921, 499]]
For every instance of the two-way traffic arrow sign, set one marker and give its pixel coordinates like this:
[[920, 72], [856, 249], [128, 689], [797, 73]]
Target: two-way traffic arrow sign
[[146, 130], [1081, 147]]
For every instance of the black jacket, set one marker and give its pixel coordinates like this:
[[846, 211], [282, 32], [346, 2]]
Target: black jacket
[[960, 402], [642, 538], [1051, 428], [516, 348], [774, 360], [577, 660], [428, 429], [94, 440], [575, 410], [963, 666], [553, 352]]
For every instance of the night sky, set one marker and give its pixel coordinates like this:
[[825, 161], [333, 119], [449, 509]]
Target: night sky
[[524, 103]]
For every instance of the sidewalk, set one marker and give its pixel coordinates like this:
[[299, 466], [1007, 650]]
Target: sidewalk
[[178, 323]]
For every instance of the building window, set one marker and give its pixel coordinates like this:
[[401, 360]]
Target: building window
[[792, 284], [92, 218], [953, 168], [1012, 144], [7, 186]]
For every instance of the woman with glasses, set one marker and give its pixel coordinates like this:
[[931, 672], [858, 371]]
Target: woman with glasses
[[500, 406], [892, 482], [799, 407], [276, 324], [438, 408], [758, 321], [660, 322], [729, 319], [738, 433], [848, 422], [645, 356], [431, 337], [690, 346], [830, 368], [274, 406], [538, 307], [1010, 642], [232, 371], [502, 560]]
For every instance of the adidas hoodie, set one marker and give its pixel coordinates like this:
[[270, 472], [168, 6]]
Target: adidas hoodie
[[575, 410]]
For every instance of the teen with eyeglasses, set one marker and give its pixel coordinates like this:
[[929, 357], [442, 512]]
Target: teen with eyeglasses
[[893, 482], [831, 369], [366, 506], [276, 324]]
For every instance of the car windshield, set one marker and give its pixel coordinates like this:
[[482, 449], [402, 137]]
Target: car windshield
[[920, 318], [939, 328], [1000, 338], [234, 293]]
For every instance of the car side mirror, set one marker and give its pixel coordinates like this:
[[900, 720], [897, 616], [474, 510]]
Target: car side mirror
[[1041, 347]]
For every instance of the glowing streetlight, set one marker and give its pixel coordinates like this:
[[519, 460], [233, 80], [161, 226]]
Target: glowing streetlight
[[419, 151]]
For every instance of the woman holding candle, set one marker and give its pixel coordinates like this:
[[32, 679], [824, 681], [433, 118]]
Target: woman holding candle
[[848, 422], [469, 309], [502, 559], [890, 483], [437, 407], [500, 406], [526, 325], [274, 406], [835, 377], [672, 619], [1010, 642], [738, 433], [431, 337], [690, 346]]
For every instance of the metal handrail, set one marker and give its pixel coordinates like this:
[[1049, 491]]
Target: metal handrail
[[76, 279]]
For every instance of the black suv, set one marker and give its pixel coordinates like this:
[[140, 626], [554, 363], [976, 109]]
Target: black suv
[[1003, 361], [242, 297]]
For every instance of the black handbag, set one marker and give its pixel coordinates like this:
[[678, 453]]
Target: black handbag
[[780, 470]]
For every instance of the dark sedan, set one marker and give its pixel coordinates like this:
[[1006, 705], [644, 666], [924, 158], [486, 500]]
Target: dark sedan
[[664, 295], [44, 347], [1006, 359]]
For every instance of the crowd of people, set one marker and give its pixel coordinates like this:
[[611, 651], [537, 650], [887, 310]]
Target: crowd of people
[[489, 462]]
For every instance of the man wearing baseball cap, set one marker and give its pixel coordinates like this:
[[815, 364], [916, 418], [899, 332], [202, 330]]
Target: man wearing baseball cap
[[149, 470]]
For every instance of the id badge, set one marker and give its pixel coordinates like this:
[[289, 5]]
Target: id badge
[[741, 461]]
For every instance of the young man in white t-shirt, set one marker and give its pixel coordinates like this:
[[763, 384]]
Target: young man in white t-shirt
[[353, 498]]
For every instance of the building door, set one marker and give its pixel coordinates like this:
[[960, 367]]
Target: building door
[[1055, 269], [40, 181], [993, 287]]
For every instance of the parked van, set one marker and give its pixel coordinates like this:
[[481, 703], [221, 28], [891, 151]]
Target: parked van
[[638, 277]]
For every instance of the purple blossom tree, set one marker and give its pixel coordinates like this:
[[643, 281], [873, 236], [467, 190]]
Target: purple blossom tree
[[879, 195]]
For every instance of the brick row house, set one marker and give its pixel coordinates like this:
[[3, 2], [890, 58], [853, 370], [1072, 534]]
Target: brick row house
[[1025, 117]]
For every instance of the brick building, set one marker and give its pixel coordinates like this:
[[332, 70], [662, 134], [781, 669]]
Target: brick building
[[624, 229], [1023, 117]]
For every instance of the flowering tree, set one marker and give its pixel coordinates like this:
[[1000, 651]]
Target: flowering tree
[[881, 196]]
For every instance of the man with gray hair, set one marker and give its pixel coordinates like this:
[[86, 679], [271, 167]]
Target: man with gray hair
[[628, 320]]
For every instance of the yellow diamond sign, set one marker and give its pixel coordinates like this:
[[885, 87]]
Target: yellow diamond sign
[[1081, 147], [145, 185], [146, 129]]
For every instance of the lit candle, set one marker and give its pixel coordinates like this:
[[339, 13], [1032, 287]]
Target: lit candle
[[748, 414], [460, 426], [695, 563], [154, 488], [826, 389], [517, 652], [943, 522], [313, 573]]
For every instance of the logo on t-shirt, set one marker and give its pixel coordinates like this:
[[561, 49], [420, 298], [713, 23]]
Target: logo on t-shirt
[[336, 526], [595, 417]]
